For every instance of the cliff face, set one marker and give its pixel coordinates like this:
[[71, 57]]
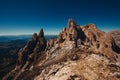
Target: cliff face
[[79, 53], [34, 46]]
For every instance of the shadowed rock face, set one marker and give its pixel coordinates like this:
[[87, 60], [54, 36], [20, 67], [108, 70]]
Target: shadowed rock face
[[41, 44], [41, 34], [79, 53], [116, 37], [34, 46], [26, 51]]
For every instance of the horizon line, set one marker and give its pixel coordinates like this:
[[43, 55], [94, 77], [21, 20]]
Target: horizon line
[[24, 34]]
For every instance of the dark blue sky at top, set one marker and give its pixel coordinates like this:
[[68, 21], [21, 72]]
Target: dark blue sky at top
[[28, 16]]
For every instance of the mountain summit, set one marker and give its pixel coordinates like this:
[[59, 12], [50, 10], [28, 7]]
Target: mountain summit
[[78, 53]]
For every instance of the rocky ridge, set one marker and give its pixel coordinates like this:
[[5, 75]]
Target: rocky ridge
[[79, 53]]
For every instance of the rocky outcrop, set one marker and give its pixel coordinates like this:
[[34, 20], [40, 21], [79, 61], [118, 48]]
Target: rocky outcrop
[[79, 53], [85, 66], [41, 43], [28, 54], [34, 46], [88, 35], [50, 43], [116, 37], [72, 33], [24, 53]]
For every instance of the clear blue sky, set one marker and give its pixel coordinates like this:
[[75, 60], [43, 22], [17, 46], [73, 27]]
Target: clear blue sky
[[28, 16]]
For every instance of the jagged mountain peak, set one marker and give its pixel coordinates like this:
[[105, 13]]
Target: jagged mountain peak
[[34, 36], [41, 33], [79, 52], [35, 45], [71, 23]]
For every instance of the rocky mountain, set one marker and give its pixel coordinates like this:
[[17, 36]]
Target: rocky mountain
[[78, 53], [116, 36]]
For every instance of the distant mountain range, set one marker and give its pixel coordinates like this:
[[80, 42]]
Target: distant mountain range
[[22, 37], [10, 38]]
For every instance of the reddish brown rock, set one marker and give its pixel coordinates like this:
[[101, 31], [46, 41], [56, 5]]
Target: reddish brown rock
[[26, 51], [41, 43], [72, 33], [85, 52], [71, 23], [116, 37], [34, 37], [51, 43], [35, 45]]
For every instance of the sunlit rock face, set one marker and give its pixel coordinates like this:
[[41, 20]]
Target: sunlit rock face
[[78, 53]]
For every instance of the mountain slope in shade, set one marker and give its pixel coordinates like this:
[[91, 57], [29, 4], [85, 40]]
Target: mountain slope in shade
[[9, 50], [116, 36], [78, 53]]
